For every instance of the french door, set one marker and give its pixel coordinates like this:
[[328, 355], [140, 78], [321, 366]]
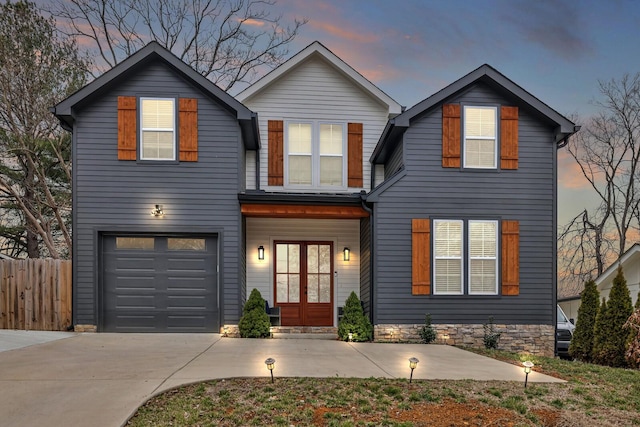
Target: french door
[[304, 283]]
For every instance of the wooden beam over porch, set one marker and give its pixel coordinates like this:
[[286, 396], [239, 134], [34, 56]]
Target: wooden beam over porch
[[302, 211]]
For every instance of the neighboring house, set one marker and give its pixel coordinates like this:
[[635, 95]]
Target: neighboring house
[[153, 135], [447, 208], [319, 123], [630, 262], [464, 225]]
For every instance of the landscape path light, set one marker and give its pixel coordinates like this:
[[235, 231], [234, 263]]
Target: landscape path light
[[413, 362], [527, 369], [270, 365]]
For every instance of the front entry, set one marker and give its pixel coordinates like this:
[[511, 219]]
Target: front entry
[[304, 283]]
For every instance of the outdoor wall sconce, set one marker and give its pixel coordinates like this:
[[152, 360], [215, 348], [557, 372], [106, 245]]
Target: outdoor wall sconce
[[270, 365], [157, 211], [346, 254], [260, 252], [527, 369], [413, 362]]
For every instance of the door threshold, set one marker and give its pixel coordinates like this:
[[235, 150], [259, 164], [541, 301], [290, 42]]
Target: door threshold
[[305, 332]]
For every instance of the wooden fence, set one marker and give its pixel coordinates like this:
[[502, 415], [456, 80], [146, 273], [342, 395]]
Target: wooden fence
[[35, 294]]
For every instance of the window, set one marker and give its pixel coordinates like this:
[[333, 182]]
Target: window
[[181, 244], [157, 129], [315, 154], [447, 264], [480, 137], [483, 257], [135, 243], [481, 238]]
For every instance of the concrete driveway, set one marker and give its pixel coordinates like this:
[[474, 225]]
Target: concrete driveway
[[101, 379]]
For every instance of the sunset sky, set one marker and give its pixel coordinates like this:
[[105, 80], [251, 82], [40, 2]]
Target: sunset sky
[[555, 49]]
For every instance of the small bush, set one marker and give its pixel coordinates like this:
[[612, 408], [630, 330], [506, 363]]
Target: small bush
[[354, 321], [254, 322], [427, 333], [491, 337], [633, 352]]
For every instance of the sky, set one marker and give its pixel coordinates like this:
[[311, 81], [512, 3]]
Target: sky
[[557, 50]]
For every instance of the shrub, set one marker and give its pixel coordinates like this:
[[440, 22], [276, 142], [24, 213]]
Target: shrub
[[582, 341], [254, 322], [633, 352], [611, 337], [354, 321], [427, 333], [491, 337]]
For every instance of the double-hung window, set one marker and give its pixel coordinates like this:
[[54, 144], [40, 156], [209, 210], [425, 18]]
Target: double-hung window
[[157, 129], [315, 154], [480, 137], [448, 251], [483, 257], [479, 259]]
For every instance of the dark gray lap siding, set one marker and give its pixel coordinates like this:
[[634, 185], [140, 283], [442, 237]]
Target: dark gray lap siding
[[118, 195], [430, 191]]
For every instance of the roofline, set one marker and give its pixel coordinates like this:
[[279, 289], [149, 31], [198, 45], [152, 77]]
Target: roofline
[[635, 248], [318, 48], [64, 109], [261, 196], [564, 129]]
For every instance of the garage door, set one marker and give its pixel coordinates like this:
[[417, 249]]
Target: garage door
[[159, 284]]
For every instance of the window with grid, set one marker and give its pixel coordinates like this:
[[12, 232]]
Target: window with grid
[[480, 137], [157, 128], [483, 257], [448, 256], [315, 154]]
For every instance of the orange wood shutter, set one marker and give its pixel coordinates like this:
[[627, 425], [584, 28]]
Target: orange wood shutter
[[188, 128], [355, 154], [509, 137], [451, 141], [127, 131], [276, 149], [420, 257], [510, 258]]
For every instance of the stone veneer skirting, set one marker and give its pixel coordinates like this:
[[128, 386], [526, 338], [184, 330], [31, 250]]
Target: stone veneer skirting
[[533, 339]]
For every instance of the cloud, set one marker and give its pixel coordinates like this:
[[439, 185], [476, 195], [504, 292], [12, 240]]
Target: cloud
[[342, 32], [569, 173], [554, 25]]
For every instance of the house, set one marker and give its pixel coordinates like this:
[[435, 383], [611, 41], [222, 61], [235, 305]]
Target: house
[[158, 162], [464, 224], [319, 123], [630, 263], [310, 184]]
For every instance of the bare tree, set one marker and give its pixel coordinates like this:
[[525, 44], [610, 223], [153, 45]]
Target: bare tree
[[227, 41], [38, 68], [607, 151]]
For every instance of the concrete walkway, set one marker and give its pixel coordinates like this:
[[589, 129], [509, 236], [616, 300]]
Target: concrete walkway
[[101, 379]]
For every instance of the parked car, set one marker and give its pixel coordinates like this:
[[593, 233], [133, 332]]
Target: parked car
[[564, 332]]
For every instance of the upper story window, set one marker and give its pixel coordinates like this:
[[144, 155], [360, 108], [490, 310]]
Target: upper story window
[[480, 137], [315, 154], [157, 129]]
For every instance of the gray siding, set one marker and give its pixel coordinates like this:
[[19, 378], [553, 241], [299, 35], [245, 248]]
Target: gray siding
[[395, 161], [117, 195], [365, 264], [430, 191]]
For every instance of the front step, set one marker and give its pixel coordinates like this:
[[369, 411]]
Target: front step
[[305, 332]]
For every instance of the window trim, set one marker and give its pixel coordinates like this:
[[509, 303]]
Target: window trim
[[496, 259], [315, 155], [461, 258], [495, 139], [142, 129]]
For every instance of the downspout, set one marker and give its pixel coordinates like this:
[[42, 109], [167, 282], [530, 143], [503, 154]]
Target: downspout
[[258, 169], [363, 196]]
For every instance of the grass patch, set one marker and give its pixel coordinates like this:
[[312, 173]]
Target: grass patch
[[593, 394]]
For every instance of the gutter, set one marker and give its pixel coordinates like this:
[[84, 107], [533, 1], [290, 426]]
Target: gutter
[[564, 141], [363, 199]]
